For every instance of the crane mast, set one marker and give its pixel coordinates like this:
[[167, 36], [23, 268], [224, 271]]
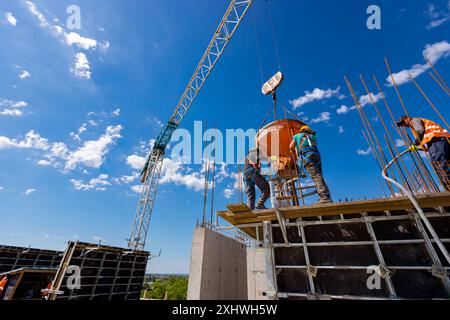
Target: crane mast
[[151, 173]]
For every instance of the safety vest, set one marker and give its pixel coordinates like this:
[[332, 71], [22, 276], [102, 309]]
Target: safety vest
[[3, 283], [432, 131]]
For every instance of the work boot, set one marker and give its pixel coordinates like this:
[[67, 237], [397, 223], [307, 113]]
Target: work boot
[[261, 207]]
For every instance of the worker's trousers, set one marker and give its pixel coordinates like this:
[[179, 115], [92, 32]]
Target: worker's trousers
[[312, 162], [439, 150], [254, 179]]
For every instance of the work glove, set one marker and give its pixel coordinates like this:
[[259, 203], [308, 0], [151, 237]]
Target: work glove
[[413, 148]]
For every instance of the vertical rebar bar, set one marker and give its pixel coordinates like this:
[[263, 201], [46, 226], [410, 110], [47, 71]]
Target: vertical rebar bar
[[437, 73], [420, 161], [404, 138], [439, 83], [380, 116]]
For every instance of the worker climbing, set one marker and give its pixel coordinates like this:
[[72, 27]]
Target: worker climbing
[[431, 137], [305, 142], [252, 179]]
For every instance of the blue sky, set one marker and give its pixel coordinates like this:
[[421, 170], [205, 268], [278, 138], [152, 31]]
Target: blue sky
[[78, 108]]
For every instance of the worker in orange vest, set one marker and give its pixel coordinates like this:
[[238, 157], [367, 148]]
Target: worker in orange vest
[[434, 139], [3, 283], [46, 291]]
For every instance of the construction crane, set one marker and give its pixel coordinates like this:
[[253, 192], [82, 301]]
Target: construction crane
[[151, 173]]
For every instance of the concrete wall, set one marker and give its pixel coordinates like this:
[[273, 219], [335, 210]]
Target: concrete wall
[[256, 274], [218, 268]]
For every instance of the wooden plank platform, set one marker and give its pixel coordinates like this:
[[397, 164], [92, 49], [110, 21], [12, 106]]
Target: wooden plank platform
[[239, 214]]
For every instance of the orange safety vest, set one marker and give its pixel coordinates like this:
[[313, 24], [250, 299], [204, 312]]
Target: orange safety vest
[[432, 131], [3, 283]]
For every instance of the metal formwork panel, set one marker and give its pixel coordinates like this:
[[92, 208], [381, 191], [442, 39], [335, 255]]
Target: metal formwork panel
[[106, 273], [331, 257], [12, 258]]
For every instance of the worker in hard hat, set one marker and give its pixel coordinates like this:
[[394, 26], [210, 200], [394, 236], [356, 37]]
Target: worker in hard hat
[[305, 142], [431, 137], [252, 179]]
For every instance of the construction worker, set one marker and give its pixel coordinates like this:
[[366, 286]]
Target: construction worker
[[309, 158], [45, 293], [3, 284], [431, 137], [252, 178]]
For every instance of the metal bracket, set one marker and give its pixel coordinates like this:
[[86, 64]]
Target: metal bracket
[[282, 224], [312, 271], [439, 272], [383, 271]]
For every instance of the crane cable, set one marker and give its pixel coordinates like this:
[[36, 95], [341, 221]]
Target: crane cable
[[274, 36], [258, 49]]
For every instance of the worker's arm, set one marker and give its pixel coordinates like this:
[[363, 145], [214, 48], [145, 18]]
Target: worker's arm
[[293, 145], [419, 128]]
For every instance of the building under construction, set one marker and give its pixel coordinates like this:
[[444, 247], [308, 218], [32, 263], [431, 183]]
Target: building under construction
[[394, 247]]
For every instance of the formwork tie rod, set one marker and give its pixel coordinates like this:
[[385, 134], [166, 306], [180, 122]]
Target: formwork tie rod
[[413, 199]]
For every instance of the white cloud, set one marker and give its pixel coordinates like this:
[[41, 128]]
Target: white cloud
[[136, 162], [82, 42], [2, 188], [341, 130], [172, 172], [137, 189], [437, 16], [323, 117], [24, 74], [10, 18], [363, 101], [364, 152], [81, 67], [344, 109], [32, 141], [433, 53], [11, 112], [30, 192], [127, 179], [315, 95], [12, 107], [34, 10], [399, 143], [77, 136], [228, 193], [116, 112], [44, 163], [92, 153], [100, 183]]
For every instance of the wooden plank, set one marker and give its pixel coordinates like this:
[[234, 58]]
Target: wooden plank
[[238, 208]]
